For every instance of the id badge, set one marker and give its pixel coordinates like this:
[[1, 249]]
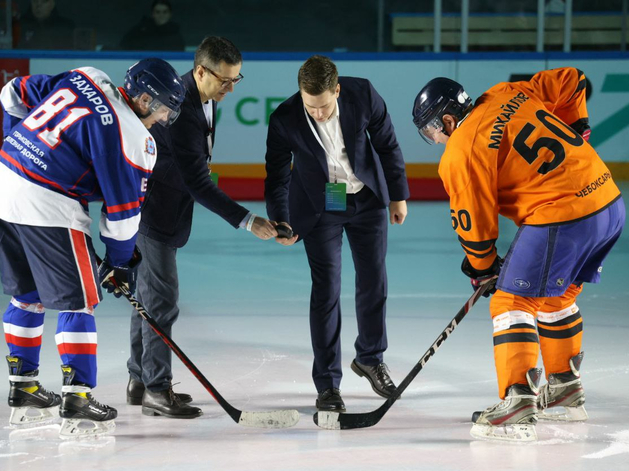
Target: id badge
[[335, 197], [214, 177]]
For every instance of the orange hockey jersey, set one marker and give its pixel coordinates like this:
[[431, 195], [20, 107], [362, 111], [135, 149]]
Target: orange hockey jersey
[[516, 155]]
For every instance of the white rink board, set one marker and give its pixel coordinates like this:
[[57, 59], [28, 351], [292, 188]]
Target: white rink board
[[243, 125]]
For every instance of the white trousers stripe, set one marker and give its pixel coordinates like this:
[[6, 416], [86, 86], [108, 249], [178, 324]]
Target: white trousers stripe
[[556, 316], [506, 320]]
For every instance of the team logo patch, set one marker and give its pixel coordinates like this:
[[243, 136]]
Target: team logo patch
[[149, 146], [522, 284], [560, 281]]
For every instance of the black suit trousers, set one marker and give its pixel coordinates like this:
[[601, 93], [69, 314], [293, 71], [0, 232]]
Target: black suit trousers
[[365, 224]]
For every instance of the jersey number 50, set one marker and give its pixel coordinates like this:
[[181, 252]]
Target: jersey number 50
[[50, 108], [530, 153], [461, 218]]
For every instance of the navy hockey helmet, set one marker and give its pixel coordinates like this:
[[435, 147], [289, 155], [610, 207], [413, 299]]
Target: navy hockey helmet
[[440, 96], [157, 78]]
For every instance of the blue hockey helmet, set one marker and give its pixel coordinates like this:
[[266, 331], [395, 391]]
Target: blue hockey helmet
[[440, 96], [157, 78]]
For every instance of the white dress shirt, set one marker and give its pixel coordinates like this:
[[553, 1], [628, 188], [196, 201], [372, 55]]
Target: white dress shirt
[[330, 137], [207, 109]]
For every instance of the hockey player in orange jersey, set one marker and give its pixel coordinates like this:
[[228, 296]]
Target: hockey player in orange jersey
[[521, 151]]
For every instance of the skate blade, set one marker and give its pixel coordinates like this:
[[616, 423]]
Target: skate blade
[[24, 417], [563, 414], [511, 432], [80, 428]]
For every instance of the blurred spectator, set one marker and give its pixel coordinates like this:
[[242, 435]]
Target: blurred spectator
[[155, 33], [43, 28]]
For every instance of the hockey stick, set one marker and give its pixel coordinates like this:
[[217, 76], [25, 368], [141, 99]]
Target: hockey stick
[[341, 420], [270, 419]]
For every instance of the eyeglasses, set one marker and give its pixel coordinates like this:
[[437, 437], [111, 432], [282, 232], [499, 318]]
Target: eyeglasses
[[225, 82]]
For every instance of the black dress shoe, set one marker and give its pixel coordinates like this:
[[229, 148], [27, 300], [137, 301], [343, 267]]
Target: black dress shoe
[[135, 390], [330, 400], [378, 376], [167, 403]]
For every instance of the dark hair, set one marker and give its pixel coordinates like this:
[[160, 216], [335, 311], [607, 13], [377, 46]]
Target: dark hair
[[317, 75], [162, 2], [214, 50]]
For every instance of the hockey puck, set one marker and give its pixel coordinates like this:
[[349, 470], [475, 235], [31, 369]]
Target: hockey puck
[[283, 231]]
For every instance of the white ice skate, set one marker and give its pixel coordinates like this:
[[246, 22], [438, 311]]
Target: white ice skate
[[515, 417], [562, 399]]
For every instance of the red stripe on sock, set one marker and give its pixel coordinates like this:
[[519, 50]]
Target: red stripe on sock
[[77, 348], [23, 341]]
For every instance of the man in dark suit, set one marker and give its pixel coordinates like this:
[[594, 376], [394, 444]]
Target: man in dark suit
[[180, 177], [347, 167]]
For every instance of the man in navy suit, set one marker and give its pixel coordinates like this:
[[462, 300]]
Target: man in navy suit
[[180, 177], [347, 167]]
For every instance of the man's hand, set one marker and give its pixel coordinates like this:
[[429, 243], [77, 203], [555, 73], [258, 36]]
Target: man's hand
[[124, 275], [284, 240], [263, 228], [397, 212]]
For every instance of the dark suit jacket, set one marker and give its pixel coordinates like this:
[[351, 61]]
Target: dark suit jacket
[[297, 196], [181, 175]]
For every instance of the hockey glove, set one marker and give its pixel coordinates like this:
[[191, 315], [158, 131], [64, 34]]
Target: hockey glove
[[123, 275], [582, 126], [480, 277]]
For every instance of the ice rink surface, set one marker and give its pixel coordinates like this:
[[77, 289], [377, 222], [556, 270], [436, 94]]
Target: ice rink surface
[[244, 323]]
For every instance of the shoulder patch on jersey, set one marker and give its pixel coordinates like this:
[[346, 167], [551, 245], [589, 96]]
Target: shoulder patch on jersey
[[149, 146]]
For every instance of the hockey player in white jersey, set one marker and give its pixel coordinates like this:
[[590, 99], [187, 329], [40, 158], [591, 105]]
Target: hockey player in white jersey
[[71, 139]]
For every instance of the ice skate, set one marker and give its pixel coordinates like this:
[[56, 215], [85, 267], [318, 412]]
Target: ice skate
[[562, 398], [31, 405], [514, 418], [82, 415]]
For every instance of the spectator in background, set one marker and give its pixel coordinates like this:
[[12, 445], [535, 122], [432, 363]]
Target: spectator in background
[[43, 28], [155, 33]]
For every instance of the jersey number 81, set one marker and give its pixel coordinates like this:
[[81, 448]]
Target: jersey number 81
[[51, 108]]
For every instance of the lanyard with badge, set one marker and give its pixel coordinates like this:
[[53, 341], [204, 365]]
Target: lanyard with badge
[[207, 111], [335, 193]]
